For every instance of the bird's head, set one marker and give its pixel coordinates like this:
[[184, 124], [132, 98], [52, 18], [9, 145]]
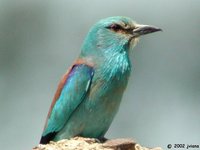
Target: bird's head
[[114, 34]]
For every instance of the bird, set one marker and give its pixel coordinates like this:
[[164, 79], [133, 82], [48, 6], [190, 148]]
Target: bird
[[90, 92]]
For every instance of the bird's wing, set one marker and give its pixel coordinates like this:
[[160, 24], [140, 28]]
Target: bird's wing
[[70, 93]]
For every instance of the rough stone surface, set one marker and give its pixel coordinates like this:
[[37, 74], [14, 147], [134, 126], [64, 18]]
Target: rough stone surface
[[80, 143]]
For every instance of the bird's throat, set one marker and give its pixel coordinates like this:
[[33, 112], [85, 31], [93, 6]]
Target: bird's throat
[[133, 42]]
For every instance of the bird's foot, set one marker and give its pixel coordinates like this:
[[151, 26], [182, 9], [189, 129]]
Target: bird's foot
[[102, 139]]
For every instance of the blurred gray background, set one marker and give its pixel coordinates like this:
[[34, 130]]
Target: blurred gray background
[[40, 39]]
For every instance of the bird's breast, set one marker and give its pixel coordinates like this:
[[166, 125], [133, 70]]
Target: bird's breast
[[108, 86]]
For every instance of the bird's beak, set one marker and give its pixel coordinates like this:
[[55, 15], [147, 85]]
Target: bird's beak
[[144, 29]]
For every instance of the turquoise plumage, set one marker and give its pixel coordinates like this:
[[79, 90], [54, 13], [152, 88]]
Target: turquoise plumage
[[89, 94]]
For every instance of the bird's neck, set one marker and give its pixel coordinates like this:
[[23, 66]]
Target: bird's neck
[[110, 60], [116, 66]]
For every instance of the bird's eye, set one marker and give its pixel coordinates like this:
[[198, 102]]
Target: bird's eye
[[115, 27]]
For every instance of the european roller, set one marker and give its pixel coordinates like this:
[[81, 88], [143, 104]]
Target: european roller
[[89, 94]]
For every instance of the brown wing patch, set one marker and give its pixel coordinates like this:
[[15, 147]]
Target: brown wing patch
[[57, 94]]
